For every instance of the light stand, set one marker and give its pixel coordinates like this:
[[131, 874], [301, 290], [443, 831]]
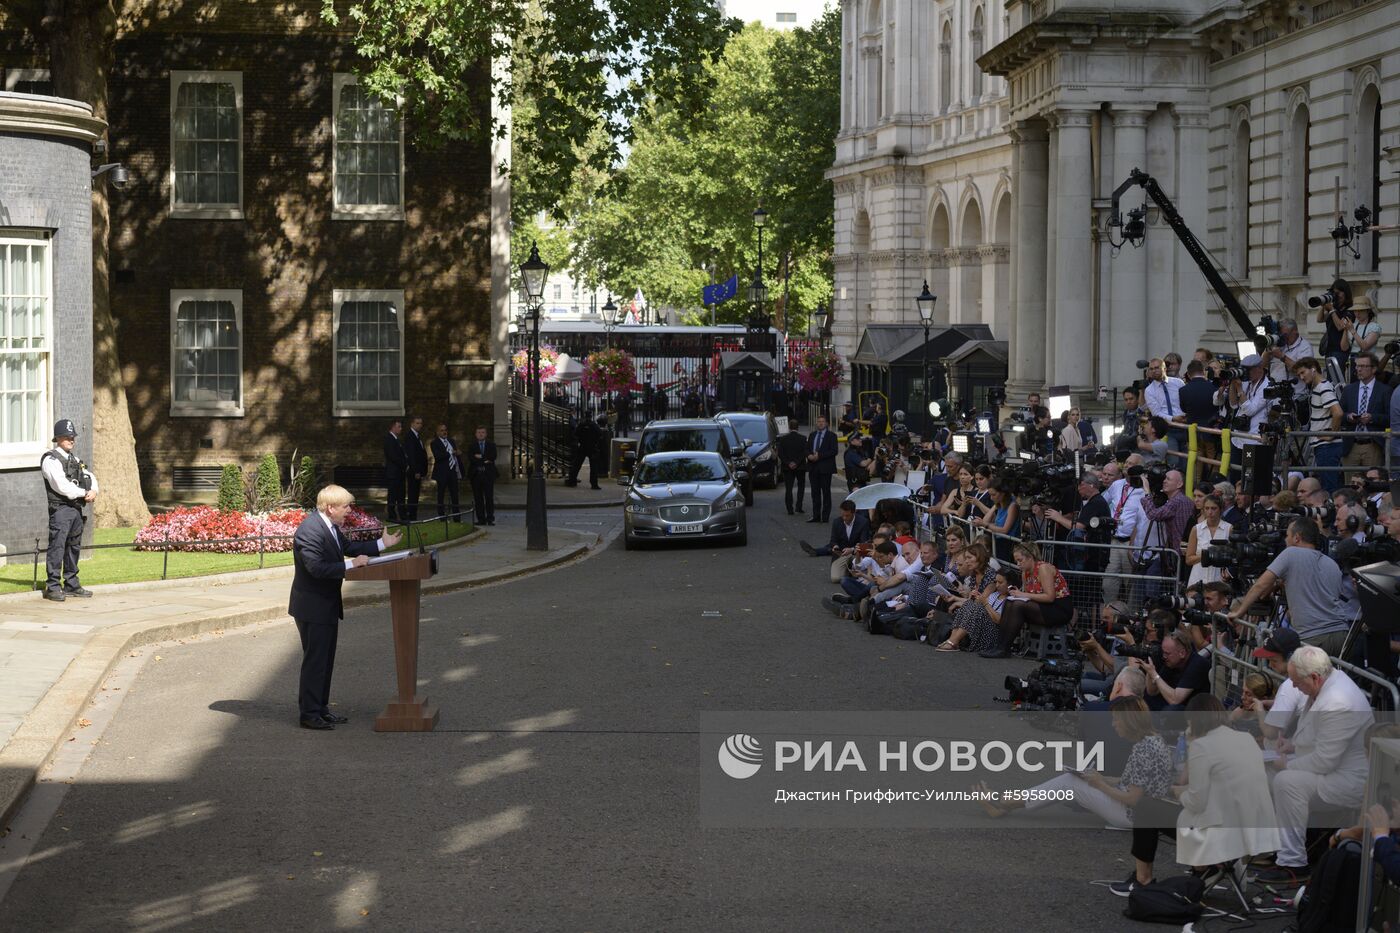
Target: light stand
[[758, 292], [533, 273], [925, 301]]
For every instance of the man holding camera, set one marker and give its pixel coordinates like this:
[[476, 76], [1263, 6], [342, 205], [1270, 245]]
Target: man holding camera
[[1090, 523], [1365, 407], [1312, 584], [1184, 672], [1295, 348], [1324, 414], [69, 485], [1249, 403]]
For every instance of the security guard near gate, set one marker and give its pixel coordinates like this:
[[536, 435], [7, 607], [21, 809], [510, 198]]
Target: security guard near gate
[[70, 486]]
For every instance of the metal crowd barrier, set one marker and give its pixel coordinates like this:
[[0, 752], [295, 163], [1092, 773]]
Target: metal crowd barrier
[[1193, 457]]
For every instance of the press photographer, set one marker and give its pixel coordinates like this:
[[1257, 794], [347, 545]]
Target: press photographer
[[1090, 523], [1335, 314], [1248, 402], [1313, 586], [1183, 673], [1290, 348]]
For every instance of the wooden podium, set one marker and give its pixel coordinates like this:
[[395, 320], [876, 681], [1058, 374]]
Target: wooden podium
[[408, 712]]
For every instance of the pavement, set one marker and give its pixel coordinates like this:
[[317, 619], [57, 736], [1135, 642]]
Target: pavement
[[54, 656], [561, 788]]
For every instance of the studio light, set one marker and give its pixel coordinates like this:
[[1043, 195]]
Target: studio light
[[1244, 348], [1060, 401], [984, 425], [961, 443]]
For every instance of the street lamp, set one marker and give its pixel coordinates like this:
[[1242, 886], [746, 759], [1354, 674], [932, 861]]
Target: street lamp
[[925, 302], [819, 317], [533, 273], [609, 312], [758, 292]]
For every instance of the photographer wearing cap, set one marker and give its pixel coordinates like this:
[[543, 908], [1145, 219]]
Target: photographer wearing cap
[[69, 486]]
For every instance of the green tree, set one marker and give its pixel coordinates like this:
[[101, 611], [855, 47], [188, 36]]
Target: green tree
[[684, 201]]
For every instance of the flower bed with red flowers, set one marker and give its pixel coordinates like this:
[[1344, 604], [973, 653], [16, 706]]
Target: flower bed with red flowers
[[205, 528]]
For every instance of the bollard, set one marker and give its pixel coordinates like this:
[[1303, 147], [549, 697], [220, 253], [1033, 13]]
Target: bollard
[[34, 583], [165, 554], [260, 549]]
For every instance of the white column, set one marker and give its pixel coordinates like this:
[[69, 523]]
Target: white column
[[1027, 334], [1072, 337], [1192, 168], [1125, 325], [1052, 243]]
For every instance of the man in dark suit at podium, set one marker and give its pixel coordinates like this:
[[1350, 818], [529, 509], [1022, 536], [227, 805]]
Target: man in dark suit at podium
[[482, 472], [395, 471], [321, 554], [417, 464], [821, 466]]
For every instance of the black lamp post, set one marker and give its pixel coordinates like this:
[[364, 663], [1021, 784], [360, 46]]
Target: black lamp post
[[758, 292], [819, 317], [609, 312], [533, 273], [925, 302]]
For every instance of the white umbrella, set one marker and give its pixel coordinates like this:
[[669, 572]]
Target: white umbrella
[[567, 369], [867, 497]]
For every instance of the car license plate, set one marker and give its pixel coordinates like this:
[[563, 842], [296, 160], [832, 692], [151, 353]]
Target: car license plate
[[693, 529]]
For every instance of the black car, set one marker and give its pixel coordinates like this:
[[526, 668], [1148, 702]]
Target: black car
[[759, 435], [698, 434]]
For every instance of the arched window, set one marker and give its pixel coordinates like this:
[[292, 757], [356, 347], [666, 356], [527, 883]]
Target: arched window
[[945, 69], [1239, 199], [1367, 186], [1297, 177], [977, 36]]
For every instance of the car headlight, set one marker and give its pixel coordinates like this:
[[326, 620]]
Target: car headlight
[[639, 508], [766, 455], [736, 502]]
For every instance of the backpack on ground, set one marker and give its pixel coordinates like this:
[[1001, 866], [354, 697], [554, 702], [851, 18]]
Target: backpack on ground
[[1329, 900], [1171, 900]]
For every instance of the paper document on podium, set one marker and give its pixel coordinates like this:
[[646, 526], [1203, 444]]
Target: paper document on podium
[[390, 558]]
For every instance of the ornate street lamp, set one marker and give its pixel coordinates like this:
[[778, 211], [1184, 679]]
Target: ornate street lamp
[[533, 273], [609, 312], [925, 301], [758, 292]]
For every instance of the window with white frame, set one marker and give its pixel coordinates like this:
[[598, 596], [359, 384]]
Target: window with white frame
[[368, 346], [368, 162], [206, 142], [29, 81], [786, 17], [26, 345], [206, 352]]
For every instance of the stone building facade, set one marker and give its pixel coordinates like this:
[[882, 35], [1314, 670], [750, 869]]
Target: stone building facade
[[45, 298], [1258, 118], [289, 270], [922, 177]]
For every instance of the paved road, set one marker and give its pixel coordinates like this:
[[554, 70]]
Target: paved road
[[560, 789]]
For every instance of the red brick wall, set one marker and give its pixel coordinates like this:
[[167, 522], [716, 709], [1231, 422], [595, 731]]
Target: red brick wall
[[287, 255]]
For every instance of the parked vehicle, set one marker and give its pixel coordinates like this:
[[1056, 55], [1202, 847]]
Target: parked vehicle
[[759, 434], [679, 495], [696, 434]]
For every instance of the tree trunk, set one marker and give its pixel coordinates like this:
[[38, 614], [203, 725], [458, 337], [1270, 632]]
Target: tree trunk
[[82, 37]]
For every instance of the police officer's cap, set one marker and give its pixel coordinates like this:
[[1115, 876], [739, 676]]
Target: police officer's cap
[[64, 428]]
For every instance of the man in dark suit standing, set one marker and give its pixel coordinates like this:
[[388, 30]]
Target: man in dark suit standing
[[321, 554], [588, 445], [447, 473], [1365, 407], [1199, 407], [417, 459], [482, 460], [821, 465], [792, 456], [395, 471]]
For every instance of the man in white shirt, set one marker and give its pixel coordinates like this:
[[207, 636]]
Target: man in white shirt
[[1325, 414], [1162, 396], [1327, 765], [1122, 497], [1295, 347], [69, 486], [1247, 400]]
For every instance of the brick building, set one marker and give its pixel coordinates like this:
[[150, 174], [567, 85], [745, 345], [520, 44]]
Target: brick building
[[289, 270]]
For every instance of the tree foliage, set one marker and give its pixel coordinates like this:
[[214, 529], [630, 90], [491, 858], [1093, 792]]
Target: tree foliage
[[684, 202], [586, 66]]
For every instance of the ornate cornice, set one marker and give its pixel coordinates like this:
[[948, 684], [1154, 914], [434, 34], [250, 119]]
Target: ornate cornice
[[48, 116], [996, 252]]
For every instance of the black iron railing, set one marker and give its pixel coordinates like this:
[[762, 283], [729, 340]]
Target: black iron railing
[[557, 427]]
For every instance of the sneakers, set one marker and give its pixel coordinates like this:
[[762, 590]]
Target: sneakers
[[1282, 876], [1124, 888], [808, 549], [842, 598], [832, 605]]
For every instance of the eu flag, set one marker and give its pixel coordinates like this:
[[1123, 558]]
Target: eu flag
[[714, 294]]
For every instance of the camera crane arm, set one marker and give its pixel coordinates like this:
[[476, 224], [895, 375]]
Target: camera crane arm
[[1136, 230]]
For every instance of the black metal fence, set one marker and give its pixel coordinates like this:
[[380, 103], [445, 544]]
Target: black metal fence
[[557, 424]]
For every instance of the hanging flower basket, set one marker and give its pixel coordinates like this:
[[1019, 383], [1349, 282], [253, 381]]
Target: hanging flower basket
[[819, 370], [549, 363], [609, 371]]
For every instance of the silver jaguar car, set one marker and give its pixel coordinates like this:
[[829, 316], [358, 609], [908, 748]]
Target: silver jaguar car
[[684, 494]]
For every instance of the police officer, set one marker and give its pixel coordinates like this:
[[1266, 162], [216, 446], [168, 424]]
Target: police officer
[[70, 486]]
